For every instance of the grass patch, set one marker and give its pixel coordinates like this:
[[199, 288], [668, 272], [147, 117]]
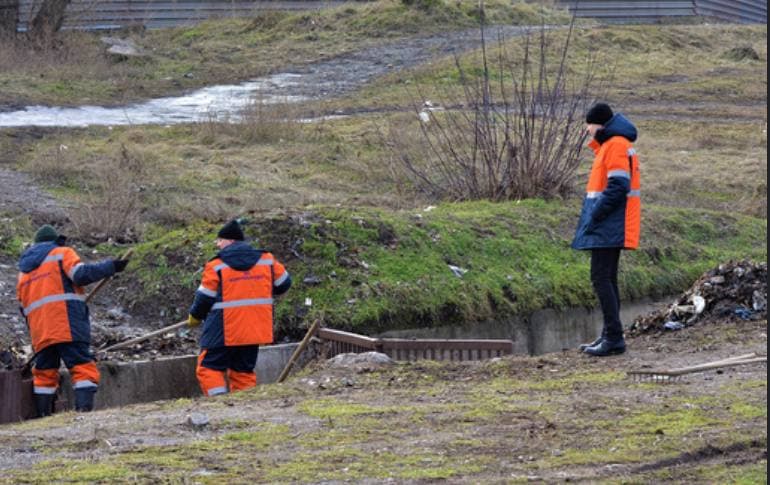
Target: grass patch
[[639, 59], [72, 471]]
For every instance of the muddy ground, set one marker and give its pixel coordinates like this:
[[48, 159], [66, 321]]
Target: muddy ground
[[555, 418]]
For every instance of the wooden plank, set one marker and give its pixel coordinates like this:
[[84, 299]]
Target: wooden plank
[[347, 337]]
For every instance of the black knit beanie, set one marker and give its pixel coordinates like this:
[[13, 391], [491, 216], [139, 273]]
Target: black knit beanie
[[46, 233], [599, 114], [231, 230]]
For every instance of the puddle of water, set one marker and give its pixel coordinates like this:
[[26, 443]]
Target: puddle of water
[[220, 102]]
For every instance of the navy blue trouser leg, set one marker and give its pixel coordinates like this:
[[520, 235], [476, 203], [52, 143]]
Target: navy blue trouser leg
[[604, 277]]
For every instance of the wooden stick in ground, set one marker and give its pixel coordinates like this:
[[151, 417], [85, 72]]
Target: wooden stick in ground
[[311, 331], [104, 281], [144, 337]]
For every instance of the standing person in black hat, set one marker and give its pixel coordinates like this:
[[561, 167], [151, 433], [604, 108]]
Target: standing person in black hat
[[235, 303], [50, 292], [611, 217]]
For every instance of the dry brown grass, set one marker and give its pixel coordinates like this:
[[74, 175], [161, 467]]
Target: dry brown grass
[[259, 122]]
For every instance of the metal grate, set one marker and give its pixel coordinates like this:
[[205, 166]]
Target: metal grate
[[339, 342]]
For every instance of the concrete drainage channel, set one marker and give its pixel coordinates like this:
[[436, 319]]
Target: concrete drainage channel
[[126, 383]]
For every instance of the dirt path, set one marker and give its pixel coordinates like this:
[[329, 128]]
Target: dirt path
[[558, 417]]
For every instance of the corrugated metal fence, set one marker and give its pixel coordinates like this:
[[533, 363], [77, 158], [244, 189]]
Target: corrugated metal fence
[[112, 14], [741, 11], [109, 14]]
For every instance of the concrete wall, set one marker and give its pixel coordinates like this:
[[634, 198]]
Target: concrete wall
[[168, 378], [541, 332]]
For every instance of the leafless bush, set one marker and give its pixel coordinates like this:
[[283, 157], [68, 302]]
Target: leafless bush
[[112, 201], [515, 132]]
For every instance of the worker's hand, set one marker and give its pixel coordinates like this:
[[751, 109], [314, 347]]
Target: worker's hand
[[120, 264], [192, 321], [61, 240]]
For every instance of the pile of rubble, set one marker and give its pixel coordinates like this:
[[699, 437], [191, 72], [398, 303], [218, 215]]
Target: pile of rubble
[[734, 290]]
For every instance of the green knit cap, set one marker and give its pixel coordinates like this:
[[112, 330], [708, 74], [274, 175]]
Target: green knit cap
[[46, 233]]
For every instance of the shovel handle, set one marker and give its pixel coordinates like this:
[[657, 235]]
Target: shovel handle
[[104, 281], [144, 337]]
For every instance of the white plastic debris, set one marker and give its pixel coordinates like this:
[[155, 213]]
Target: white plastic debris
[[458, 271]]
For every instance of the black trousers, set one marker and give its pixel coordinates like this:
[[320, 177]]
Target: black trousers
[[604, 278]]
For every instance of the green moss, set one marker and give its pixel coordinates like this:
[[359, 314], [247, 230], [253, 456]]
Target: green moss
[[354, 464], [73, 471], [749, 411], [675, 423], [334, 409]]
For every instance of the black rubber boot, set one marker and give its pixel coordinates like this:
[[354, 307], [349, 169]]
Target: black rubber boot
[[84, 399], [596, 342], [607, 347], [44, 404]]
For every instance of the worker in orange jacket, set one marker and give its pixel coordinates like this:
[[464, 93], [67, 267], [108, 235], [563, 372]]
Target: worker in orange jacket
[[235, 303], [50, 292], [610, 219]]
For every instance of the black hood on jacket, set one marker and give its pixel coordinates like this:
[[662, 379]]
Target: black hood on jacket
[[240, 255], [34, 256], [618, 125]]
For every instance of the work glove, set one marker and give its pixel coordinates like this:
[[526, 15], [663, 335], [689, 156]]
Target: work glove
[[120, 264], [61, 241], [192, 321]]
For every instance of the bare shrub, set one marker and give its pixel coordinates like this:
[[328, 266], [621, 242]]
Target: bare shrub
[[112, 201], [515, 132]]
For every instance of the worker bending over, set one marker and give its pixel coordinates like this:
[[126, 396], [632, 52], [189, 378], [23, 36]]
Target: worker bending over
[[50, 292]]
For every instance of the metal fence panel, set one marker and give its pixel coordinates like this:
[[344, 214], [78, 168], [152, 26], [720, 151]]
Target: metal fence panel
[[742, 11], [111, 14]]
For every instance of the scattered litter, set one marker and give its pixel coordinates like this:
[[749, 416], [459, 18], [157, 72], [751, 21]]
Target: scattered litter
[[743, 313], [312, 280], [458, 271], [733, 290], [671, 325]]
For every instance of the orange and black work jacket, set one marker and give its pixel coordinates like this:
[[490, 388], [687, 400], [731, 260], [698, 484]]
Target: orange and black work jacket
[[49, 290], [612, 206], [235, 297]]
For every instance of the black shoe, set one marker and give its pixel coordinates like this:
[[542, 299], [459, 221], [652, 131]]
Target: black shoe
[[44, 404], [84, 399], [607, 347], [596, 342]]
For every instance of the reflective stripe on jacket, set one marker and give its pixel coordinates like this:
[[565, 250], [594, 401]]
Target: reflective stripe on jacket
[[235, 297], [611, 213], [49, 290]]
